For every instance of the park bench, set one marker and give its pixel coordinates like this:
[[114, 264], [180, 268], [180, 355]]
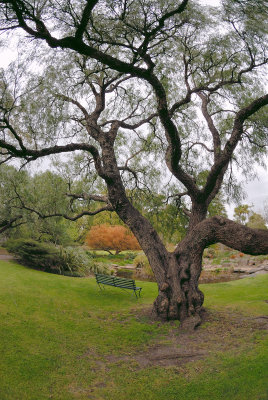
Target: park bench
[[115, 281]]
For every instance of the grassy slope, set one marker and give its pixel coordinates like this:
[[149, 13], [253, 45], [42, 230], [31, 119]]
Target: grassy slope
[[56, 333]]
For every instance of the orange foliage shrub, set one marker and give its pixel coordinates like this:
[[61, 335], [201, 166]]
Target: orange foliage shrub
[[108, 237]]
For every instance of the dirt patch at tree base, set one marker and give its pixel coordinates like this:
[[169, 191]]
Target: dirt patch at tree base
[[219, 332], [6, 257]]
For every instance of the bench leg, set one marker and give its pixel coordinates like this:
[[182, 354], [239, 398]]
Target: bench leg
[[135, 291], [101, 288]]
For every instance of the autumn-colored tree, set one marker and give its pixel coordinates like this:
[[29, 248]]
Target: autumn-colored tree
[[108, 238]]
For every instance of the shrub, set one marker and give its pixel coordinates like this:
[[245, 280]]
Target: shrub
[[33, 253], [69, 261], [209, 252], [129, 255], [76, 260], [141, 262]]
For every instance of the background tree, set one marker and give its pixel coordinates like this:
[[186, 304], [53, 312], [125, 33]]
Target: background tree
[[256, 221], [242, 213], [125, 84], [11, 215], [21, 195], [108, 238]]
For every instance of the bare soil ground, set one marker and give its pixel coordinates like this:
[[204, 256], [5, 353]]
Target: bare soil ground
[[6, 257], [219, 332]]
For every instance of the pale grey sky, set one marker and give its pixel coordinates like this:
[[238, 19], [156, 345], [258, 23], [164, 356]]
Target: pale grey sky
[[257, 190]]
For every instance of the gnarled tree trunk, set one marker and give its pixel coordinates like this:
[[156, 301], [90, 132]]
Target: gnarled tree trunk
[[179, 296]]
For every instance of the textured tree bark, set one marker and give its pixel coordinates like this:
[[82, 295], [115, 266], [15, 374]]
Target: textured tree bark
[[179, 296]]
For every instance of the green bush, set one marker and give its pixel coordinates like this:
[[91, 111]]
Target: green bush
[[76, 262], [33, 253], [69, 261], [141, 262], [130, 255]]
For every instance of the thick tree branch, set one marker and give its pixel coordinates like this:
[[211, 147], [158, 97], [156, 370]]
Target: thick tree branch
[[23, 206], [70, 218], [237, 236], [86, 196], [30, 154], [121, 66], [230, 233], [13, 131], [4, 225], [85, 18], [213, 130]]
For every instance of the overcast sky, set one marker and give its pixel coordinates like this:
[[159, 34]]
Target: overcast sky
[[256, 190]]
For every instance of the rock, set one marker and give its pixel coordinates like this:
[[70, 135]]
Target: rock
[[248, 270], [263, 271], [253, 270], [128, 266], [212, 268]]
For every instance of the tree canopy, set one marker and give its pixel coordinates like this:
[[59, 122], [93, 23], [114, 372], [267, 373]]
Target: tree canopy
[[111, 237], [152, 95]]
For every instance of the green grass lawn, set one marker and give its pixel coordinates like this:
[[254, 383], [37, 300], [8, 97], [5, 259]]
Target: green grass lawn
[[61, 338]]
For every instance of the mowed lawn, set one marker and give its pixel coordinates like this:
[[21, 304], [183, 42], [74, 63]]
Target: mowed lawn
[[61, 338]]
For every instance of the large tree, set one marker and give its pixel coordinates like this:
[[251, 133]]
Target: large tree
[[137, 84]]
